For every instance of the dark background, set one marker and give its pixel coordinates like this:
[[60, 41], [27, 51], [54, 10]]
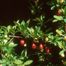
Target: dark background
[[11, 10]]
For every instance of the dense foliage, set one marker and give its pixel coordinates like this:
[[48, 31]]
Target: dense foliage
[[33, 42]]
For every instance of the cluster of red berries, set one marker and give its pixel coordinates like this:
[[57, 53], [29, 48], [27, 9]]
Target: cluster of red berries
[[34, 46], [41, 46]]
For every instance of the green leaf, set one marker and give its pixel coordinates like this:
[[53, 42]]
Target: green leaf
[[60, 44], [55, 20], [28, 62], [3, 61], [11, 44], [52, 7], [23, 23], [58, 17], [65, 10], [62, 53], [9, 28], [18, 62], [65, 20]]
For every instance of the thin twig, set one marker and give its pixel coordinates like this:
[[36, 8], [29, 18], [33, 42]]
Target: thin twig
[[15, 36]]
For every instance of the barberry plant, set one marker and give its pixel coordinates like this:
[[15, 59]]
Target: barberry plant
[[32, 42]]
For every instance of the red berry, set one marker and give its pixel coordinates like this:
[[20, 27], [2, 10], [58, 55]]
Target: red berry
[[33, 46], [22, 42], [47, 50], [41, 46]]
